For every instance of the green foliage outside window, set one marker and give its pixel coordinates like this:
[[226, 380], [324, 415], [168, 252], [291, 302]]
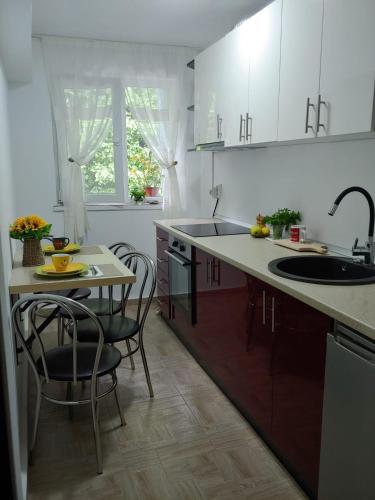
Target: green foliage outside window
[[99, 174], [143, 169]]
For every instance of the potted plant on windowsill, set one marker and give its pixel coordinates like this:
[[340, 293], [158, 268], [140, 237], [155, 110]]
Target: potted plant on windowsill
[[137, 194], [280, 220], [152, 177]]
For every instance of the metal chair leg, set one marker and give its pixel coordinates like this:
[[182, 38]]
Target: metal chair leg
[[60, 330], [97, 402], [69, 397], [114, 378], [36, 422], [130, 356], [147, 373], [99, 458]]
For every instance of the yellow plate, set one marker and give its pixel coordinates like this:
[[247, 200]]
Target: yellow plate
[[70, 248], [71, 270]]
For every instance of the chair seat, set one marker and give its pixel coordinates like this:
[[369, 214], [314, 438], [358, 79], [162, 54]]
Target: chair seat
[[100, 307], [59, 361], [115, 328], [79, 294]]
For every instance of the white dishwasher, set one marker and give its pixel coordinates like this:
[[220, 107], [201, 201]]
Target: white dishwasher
[[347, 460]]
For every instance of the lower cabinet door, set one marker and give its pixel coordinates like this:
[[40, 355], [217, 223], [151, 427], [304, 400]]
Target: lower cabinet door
[[298, 386], [253, 390]]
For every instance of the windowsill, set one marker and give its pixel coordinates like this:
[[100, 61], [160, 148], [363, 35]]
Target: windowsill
[[114, 207]]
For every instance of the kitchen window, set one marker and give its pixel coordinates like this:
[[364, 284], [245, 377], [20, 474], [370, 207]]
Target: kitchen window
[[123, 161]]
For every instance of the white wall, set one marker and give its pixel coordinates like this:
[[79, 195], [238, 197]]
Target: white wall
[[301, 177], [305, 177], [15, 39], [6, 216]]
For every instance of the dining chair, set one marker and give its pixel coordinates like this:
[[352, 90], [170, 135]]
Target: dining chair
[[69, 363], [100, 305], [122, 328]]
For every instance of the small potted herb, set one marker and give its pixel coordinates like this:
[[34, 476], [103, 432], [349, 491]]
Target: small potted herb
[[280, 220], [137, 194]]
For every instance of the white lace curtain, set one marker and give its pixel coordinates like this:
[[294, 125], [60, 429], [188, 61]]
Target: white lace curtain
[[158, 88]]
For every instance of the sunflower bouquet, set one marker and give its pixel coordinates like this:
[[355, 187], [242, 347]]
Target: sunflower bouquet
[[29, 227]]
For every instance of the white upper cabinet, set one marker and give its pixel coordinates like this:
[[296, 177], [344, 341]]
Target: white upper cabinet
[[236, 58], [209, 95], [265, 35], [252, 60], [347, 67], [299, 68]]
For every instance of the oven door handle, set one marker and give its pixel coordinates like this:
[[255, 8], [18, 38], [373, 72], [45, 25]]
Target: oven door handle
[[180, 261]]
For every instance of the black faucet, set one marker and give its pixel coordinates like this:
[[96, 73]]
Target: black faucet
[[368, 250]]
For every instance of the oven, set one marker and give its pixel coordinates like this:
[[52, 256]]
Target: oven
[[181, 271]]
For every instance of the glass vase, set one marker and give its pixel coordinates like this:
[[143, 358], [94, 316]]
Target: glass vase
[[277, 232]]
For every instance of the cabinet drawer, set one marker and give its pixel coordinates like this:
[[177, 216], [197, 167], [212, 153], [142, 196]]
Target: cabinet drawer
[[162, 273], [162, 283], [163, 303], [161, 256], [161, 237]]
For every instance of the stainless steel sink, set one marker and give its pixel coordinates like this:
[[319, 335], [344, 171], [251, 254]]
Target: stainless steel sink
[[323, 270]]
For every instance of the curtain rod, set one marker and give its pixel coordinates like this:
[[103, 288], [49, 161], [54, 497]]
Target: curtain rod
[[40, 36]]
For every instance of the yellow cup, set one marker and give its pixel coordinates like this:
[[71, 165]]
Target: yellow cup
[[60, 261]]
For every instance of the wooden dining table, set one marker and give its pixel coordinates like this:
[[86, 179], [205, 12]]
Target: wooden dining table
[[112, 271], [24, 280]]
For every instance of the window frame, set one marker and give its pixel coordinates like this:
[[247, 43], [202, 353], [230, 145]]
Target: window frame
[[119, 157], [120, 154]]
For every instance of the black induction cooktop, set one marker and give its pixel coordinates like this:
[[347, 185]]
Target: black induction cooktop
[[212, 229]]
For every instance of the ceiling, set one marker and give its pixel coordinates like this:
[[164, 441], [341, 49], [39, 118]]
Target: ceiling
[[193, 23]]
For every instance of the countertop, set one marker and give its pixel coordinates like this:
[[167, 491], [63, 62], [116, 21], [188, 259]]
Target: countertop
[[352, 305]]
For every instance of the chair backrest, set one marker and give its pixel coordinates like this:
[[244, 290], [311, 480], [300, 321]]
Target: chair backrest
[[124, 247], [33, 304], [116, 248], [144, 268]]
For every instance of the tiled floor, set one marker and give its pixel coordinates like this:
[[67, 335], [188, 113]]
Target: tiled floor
[[187, 443]]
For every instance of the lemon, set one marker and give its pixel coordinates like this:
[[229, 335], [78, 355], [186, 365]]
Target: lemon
[[256, 231], [265, 231]]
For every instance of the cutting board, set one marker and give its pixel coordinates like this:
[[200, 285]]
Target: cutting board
[[302, 247]]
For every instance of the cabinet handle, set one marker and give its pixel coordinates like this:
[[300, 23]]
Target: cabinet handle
[[318, 124], [160, 261], [209, 271], [264, 307], [242, 136], [162, 280], [216, 265], [308, 106], [249, 119], [160, 239], [273, 315]]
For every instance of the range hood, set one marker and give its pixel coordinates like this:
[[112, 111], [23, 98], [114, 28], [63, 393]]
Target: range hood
[[209, 146]]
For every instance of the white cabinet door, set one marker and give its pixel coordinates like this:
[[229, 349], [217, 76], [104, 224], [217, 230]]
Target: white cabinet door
[[265, 34], [300, 68], [236, 60], [209, 95], [203, 92], [348, 67]]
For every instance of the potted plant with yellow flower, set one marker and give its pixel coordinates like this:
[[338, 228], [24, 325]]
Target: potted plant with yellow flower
[[30, 229]]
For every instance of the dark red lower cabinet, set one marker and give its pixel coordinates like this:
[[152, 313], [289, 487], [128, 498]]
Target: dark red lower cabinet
[[266, 350], [298, 386]]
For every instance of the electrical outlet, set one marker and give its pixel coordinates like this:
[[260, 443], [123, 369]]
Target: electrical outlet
[[216, 191]]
